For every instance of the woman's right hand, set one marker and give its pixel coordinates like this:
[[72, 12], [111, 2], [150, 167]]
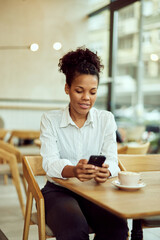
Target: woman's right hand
[[84, 171]]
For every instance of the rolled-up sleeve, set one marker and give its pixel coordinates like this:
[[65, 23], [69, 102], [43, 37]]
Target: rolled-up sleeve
[[52, 163]]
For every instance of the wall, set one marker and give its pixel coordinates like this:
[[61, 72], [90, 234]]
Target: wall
[[34, 75]]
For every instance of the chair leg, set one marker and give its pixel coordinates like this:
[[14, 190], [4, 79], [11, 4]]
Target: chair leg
[[24, 184], [5, 178], [41, 219], [27, 215], [16, 179]]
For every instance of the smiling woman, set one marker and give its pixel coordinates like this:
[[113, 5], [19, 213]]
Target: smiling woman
[[82, 93], [81, 68], [68, 138]]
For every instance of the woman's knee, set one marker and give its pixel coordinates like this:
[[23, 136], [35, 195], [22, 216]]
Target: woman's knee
[[79, 232], [69, 224]]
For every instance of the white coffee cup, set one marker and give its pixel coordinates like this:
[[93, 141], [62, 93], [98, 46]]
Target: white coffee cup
[[129, 178]]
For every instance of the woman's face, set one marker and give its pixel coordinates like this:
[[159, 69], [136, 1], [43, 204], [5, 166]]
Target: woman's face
[[82, 93]]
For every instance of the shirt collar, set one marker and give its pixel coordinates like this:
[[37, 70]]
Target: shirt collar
[[67, 120], [90, 118]]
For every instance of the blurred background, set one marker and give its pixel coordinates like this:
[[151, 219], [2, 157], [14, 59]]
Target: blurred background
[[35, 34]]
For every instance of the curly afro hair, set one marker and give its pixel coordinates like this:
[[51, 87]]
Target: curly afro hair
[[81, 61]]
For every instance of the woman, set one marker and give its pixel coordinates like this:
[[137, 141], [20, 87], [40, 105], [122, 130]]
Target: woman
[[69, 137]]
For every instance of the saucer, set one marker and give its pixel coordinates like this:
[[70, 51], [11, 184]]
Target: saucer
[[128, 188]]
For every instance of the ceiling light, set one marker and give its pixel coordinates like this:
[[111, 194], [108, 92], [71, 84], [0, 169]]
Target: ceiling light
[[34, 47], [57, 46]]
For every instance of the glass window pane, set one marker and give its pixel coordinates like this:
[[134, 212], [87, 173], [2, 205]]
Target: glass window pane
[[127, 56], [151, 54], [98, 27], [137, 82]]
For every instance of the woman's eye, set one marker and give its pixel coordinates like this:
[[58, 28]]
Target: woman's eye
[[78, 91], [93, 93]]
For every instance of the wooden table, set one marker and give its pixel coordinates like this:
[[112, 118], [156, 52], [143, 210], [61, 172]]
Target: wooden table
[[125, 204], [37, 142]]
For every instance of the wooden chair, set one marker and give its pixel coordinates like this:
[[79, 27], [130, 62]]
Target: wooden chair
[[32, 167], [23, 136], [6, 169], [142, 163], [122, 149], [3, 133], [11, 162], [138, 148]]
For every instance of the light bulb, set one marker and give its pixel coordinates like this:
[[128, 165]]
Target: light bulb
[[57, 46], [34, 47]]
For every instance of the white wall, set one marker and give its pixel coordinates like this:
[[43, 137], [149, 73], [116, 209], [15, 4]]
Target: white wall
[[25, 115], [34, 75]]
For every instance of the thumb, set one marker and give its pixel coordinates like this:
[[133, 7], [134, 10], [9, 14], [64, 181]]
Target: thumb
[[83, 161]]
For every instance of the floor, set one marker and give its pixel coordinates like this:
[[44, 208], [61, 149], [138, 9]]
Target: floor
[[11, 219]]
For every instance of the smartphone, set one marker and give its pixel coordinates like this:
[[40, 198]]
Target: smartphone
[[97, 160]]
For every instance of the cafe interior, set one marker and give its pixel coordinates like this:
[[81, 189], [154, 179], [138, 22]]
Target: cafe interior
[[35, 34]]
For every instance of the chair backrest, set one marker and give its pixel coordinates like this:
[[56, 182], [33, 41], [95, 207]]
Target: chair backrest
[[11, 149], [139, 163], [33, 164], [138, 148], [122, 149]]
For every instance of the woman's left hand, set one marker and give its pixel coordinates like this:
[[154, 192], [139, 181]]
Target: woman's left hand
[[102, 174]]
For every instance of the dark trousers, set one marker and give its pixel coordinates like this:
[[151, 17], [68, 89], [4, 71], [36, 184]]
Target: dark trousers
[[68, 215]]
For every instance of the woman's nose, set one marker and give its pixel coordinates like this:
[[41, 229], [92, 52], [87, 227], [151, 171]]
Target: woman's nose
[[86, 96]]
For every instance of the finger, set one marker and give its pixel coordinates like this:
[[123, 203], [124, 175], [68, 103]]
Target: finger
[[103, 174], [103, 170], [105, 165], [89, 171], [83, 179], [83, 161], [100, 180], [83, 165], [87, 176], [90, 166]]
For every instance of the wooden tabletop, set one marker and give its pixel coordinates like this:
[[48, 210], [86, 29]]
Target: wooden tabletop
[[37, 142], [126, 204]]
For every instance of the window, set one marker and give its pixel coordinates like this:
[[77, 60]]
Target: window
[[125, 42]]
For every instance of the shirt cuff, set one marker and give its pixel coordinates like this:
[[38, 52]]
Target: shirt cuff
[[113, 168], [55, 168]]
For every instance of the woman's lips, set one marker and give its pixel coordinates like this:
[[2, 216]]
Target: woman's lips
[[84, 105]]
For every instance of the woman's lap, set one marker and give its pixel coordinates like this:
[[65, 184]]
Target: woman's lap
[[63, 214], [67, 214]]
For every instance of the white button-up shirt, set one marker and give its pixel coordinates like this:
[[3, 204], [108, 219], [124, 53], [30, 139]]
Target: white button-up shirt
[[63, 143]]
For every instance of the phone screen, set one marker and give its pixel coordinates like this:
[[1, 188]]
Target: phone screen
[[97, 160]]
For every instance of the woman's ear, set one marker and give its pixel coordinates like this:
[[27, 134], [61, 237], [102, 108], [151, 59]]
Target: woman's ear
[[66, 88]]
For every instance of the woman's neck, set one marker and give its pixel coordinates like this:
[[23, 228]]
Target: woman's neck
[[78, 119]]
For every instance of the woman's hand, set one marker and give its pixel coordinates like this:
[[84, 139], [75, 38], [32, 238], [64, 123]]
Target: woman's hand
[[102, 174], [84, 171]]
